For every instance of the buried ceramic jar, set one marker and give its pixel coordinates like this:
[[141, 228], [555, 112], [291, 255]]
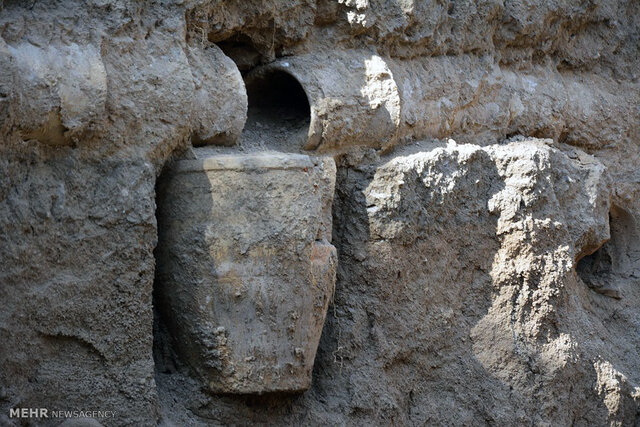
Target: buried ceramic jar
[[245, 267]]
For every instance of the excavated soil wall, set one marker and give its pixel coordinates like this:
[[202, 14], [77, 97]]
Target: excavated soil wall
[[400, 213]]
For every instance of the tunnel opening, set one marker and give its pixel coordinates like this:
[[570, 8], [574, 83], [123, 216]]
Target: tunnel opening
[[279, 114], [596, 271], [616, 263]]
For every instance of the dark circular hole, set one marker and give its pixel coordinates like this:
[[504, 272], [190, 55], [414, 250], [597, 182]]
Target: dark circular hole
[[279, 112], [278, 96]]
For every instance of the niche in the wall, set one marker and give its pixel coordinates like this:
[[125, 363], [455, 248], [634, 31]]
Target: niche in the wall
[[279, 114], [617, 262]]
